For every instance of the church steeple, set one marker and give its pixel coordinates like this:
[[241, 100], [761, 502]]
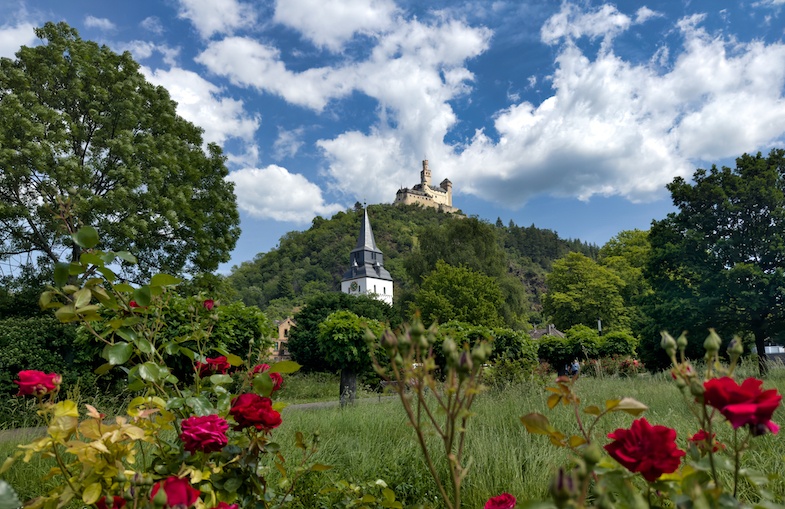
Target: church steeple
[[366, 274]]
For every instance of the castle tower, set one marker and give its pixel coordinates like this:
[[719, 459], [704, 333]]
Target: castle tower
[[366, 274], [425, 175]]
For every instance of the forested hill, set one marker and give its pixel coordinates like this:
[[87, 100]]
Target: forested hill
[[412, 239]]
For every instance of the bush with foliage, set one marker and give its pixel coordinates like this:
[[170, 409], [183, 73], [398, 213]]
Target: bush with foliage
[[617, 343]]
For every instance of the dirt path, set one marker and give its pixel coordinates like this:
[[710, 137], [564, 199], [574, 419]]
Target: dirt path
[[21, 434]]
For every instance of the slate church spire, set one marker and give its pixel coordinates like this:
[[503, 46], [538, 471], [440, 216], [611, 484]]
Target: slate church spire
[[366, 274]]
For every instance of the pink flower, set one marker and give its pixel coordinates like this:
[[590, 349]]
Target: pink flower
[[37, 383], [204, 433], [208, 304], [745, 404], [503, 501]]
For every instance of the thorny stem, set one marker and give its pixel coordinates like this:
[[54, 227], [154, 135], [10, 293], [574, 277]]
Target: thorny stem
[[708, 428]]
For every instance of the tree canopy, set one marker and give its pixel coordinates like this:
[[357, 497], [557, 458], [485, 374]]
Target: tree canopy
[[720, 260], [86, 140]]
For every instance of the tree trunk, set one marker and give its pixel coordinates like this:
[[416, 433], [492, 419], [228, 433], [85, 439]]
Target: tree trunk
[[760, 345], [348, 386]]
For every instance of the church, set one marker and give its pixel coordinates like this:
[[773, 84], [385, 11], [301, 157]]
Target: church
[[366, 274], [427, 195]]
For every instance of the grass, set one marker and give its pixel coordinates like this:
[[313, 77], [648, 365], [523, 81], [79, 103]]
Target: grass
[[374, 441]]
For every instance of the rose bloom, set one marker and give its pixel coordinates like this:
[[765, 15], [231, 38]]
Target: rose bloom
[[277, 380], [646, 449], [260, 368], [133, 304], [503, 501], [117, 503], [208, 304], [224, 505], [204, 433], [745, 404], [706, 443], [213, 365], [179, 492], [253, 410], [37, 383]]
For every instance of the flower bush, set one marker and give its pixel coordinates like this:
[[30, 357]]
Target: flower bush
[[203, 439]]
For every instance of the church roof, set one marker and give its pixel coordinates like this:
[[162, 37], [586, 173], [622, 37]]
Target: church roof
[[366, 242]]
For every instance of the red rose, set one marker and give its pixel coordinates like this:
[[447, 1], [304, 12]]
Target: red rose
[[503, 501], [260, 368], [37, 383], [706, 443], [117, 503], [204, 433], [208, 304], [745, 404], [277, 380], [133, 304], [213, 365], [224, 505], [646, 449], [253, 410], [179, 492]]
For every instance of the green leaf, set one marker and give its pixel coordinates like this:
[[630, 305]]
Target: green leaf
[[144, 345], [630, 406], [103, 368], [107, 273], [537, 423], [164, 280], [186, 351], [124, 288], [82, 297], [87, 238], [262, 384], [91, 259], [150, 371], [318, 467], [143, 296], [118, 353], [200, 405], [92, 493], [232, 484], [75, 269], [127, 334], [220, 379], [66, 314], [234, 360], [284, 367], [61, 273], [592, 410], [126, 256]]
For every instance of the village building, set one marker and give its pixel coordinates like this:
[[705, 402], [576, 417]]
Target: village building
[[427, 195], [279, 352], [366, 274]]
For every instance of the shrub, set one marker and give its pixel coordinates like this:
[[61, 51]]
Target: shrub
[[617, 343], [613, 366], [584, 341]]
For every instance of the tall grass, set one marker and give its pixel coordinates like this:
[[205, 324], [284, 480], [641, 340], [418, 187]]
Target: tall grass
[[374, 441]]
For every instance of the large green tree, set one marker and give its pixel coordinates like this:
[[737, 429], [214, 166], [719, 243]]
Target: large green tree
[[581, 291], [86, 140], [720, 260], [459, 293]]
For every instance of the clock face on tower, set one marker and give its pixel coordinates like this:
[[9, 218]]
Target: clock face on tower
[[354, 286]]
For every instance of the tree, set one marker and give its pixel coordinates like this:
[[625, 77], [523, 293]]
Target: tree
[[580, 291], [304, 336], [720, 260], [86, 140], [341, 345], [458, 293]]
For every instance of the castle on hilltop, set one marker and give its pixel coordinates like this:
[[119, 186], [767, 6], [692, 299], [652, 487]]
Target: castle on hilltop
[[427, 195]]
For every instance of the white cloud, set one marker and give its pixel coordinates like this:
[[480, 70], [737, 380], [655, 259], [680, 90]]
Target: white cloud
[[573, 23], [142, 50], [275, 193], [99, 23], [217, 16], [330, 23], [288, 142], [152, 24], [200, 102], [14, 37]]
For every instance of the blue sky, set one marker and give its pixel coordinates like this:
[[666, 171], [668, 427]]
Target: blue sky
[[569, 115]]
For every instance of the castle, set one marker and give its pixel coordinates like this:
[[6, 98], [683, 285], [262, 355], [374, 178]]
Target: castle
[[427, 195]]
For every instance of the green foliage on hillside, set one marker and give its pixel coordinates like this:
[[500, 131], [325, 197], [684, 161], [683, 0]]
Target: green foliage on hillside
[[413, 239]]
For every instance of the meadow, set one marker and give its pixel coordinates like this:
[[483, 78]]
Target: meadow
[[372, 440]]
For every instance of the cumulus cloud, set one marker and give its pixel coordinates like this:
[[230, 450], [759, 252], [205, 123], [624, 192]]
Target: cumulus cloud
[[288, 142], [99, 23], [617, 128], [142, 50], [13, 37], [275, 193], [211, 17], [330, 23], [572, 23], [202, 103], [152, 24]]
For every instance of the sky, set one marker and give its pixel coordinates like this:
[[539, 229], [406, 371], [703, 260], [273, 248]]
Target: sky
[[571, 116]]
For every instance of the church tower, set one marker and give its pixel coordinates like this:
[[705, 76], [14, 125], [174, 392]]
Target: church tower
[[366, 274]]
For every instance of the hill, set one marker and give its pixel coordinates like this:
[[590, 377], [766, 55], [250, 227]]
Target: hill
[[412, 239]]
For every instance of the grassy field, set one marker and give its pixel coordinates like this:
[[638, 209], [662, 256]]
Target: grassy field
[[373, 441]]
